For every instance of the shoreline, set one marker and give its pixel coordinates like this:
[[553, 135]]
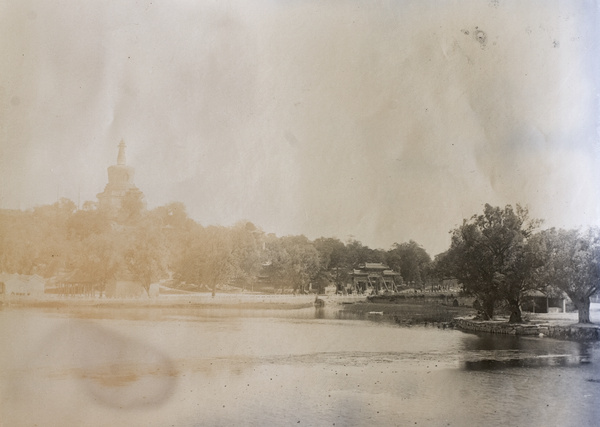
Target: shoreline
[[539, 328], [403, 311], [200, 300]]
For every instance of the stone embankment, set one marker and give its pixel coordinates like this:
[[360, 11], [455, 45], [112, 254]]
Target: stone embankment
[[563, 332]]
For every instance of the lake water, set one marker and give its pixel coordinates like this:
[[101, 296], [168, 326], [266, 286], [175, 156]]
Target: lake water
[[282, 367]]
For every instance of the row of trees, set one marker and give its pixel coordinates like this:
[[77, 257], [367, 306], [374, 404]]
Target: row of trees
[[93, 246], [497, 256], [500, 255]]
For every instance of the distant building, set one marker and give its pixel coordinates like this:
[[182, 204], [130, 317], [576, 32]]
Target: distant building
[[120, 185], [375, 276], [22, 285]]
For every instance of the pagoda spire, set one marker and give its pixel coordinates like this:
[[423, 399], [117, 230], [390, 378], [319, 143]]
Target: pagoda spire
[[121, 157]]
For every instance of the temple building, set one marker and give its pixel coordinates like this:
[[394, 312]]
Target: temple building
[[375, 276], [120, 186]]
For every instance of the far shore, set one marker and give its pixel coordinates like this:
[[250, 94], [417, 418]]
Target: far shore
[[198, 300]]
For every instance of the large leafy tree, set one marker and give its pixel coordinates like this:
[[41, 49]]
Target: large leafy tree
[[180, 232], [292, 261], [303, 264], [572, 264], [36, 241], [208, 261], [276, 262], [246, 253], [411, 261], [99, 260], [357, 253], [145, 254], [521, 273], [490, 256], [333, 260], [87, 222], [17, 242], [132, 207]]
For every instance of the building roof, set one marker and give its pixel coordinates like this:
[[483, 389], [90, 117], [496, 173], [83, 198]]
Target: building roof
[[23, 282], [356, 272], [534, 293], [374, 269], [373, 266]]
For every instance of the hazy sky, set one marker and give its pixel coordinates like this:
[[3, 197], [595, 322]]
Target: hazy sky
[[381, 120]]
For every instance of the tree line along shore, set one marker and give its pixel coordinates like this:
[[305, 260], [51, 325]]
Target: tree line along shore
[[496, 257]]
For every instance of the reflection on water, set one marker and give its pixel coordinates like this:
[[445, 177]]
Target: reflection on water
[[491, 352], [282, 367], [118, 371], [320, 313], [524, 362]]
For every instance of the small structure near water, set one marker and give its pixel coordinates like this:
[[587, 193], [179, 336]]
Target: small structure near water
[[22, 285], [535, 301]]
